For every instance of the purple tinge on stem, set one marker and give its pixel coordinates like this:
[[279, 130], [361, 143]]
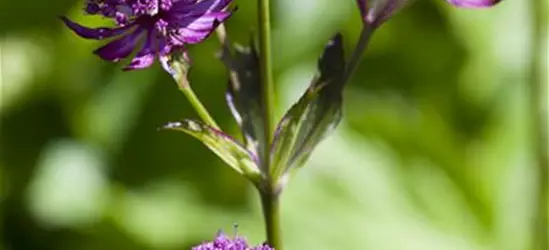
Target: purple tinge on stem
[[155, 26], [376, 12], [223, 242]]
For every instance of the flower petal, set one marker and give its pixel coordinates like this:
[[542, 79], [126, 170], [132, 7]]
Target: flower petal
[[119, 48], [94, 33], [145, 57], [200, 28], [473, 3], [204, 6]]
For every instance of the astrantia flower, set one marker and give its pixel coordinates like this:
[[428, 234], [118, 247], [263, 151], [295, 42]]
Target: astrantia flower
[[223, 242], [474, 3], [157, 27], [375, 12]]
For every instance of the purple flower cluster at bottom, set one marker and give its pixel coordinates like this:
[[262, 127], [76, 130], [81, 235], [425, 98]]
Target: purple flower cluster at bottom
[[223, 242]]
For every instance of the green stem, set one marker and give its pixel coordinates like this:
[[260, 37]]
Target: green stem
[[269, 198], [271, 213], [361, 46], [186, 89], [266, 68], [540, 121]]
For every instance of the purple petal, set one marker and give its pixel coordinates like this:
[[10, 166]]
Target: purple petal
[[119, 48], [163, 47], [473, 3], [204, 6], [145, 57], [201, 27], [94, 33], [141, 62]]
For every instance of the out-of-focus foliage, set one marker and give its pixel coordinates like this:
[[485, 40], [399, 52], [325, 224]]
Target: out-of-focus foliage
[[432, 152]]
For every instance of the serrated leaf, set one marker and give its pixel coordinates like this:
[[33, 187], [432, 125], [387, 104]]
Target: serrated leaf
[[221, 144], [244, 96], [316, 113]]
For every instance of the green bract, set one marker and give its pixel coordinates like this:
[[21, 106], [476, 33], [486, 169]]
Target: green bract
[[223, 145], [303, 126]]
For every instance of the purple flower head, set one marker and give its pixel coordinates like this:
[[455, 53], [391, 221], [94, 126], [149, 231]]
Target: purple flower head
[[157, 27], [223, 242], [473, 3]]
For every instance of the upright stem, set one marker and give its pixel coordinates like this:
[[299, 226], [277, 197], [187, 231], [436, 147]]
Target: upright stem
[[361, 46], [540, 120], [266, 68], [269, 198], [271, 213]]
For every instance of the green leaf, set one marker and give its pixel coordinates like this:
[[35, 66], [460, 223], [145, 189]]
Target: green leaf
[[223, 145], [244, 96], [316, 113]]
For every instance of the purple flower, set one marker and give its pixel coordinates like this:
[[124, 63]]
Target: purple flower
[[161, 26], [474, 3], [223, 242], [375, 12]]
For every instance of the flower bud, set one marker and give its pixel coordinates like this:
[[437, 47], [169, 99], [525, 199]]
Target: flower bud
[[375, 12]]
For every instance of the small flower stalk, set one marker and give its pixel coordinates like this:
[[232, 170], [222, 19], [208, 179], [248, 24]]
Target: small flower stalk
[[268, 157]]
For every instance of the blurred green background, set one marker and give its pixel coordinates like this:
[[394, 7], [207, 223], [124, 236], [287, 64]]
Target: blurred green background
[[433, 154]]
